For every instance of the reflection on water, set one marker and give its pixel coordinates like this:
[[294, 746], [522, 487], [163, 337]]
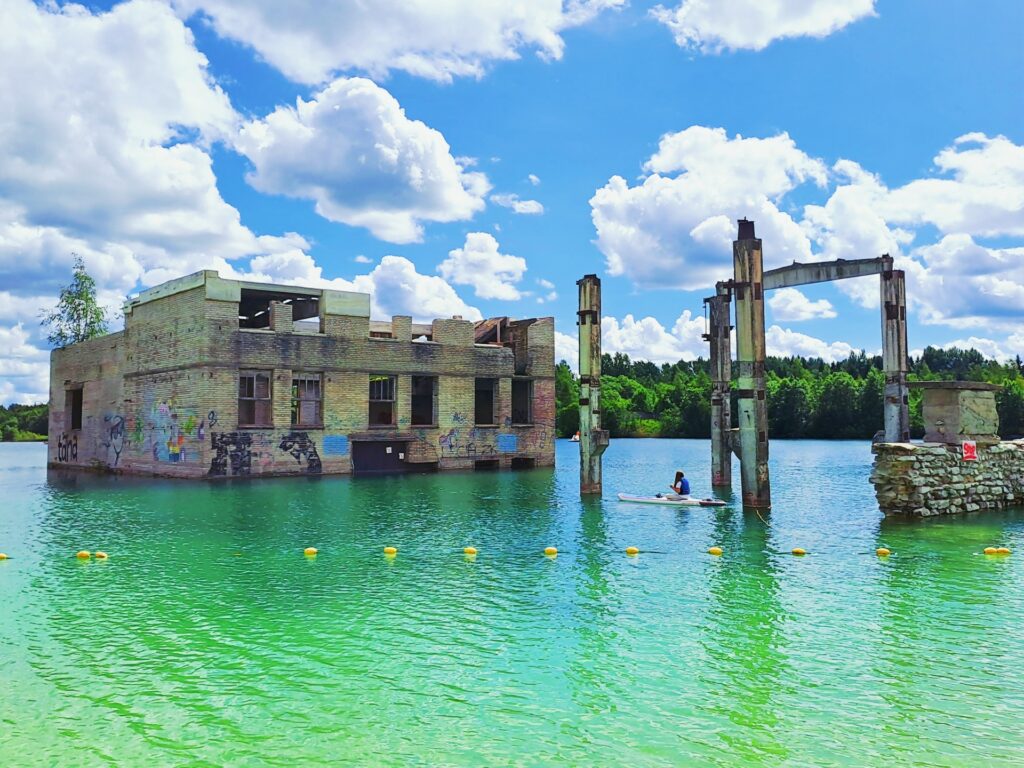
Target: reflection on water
[[208, 638]]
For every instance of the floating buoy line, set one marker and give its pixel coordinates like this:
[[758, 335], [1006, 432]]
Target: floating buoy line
[[549, 551]]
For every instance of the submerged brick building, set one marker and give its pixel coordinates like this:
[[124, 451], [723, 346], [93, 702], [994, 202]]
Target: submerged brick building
[[219, 378]]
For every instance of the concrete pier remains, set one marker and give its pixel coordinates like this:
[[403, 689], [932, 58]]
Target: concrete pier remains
[[593, 439], [961, 467]]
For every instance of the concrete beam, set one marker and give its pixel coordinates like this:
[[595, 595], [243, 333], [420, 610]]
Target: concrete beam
[[824, 272]]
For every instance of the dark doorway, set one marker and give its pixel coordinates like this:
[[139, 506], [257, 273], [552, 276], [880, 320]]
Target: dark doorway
[[520, 462], [379, 457], [486, 464], [73, 404]]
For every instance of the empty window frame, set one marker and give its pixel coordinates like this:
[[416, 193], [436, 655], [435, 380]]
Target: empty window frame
[[254, 399], [382, 401], [73, 407], [307, 400], [424, 401], [522, 401], [484, 401]]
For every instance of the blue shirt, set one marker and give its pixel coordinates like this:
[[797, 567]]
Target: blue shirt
[[683, 487]]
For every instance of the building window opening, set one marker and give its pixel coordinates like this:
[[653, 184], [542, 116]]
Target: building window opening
[[254, 307], [424, 401], [522, 401], [254, 403], [73, 404], [486, 391], [486, 464], [521, 462], [382, 401], [307, 400]]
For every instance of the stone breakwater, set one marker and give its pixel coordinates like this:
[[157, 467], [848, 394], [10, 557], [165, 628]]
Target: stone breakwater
[[924, 479]]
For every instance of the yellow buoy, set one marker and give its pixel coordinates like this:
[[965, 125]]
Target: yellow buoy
[[990, 550], [390, 551], [310, 551], [715, 551], [799, 551], [3, 556], [550, 551], [882, 552], [83, 555], [1002, 550], [632, 551], [101, 555], [469, 550]]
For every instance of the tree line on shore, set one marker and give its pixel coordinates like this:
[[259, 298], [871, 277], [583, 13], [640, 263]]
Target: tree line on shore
[[20, 423], [807, 397]]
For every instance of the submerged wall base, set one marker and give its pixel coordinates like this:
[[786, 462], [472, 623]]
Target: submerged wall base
[[925, 479]]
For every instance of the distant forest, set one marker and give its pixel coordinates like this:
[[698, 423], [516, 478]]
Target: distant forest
[[807, 397], [23, 422]]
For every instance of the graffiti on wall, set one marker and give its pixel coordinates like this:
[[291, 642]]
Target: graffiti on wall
[[508, 443], [301, 447], [232, 454], [167, 431], [114, 437], [466, 443], [336, 445], [67, 447]]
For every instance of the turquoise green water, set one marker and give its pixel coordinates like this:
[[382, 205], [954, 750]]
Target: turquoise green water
[[208, 639]]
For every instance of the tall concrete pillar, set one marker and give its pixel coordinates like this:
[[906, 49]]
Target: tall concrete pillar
[[720, 340], [593, 439], [896, 410], [750, 354]]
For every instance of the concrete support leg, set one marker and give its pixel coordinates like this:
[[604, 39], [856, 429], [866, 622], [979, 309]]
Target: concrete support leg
[[719, 337], [894, 356], [593, 439], [750, 356]]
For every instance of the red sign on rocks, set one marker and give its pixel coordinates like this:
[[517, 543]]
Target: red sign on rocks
[[970, 450]]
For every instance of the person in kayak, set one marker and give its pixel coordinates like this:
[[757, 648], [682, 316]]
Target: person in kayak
[[681, 486]]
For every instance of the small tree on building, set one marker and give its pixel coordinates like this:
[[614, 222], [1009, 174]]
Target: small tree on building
[[77, 316]]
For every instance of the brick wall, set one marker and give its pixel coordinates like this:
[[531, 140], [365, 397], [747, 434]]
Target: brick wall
[[162, 397]]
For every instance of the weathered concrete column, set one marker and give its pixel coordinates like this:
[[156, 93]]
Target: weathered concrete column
[[750, 355], [894, 356], [593, 439], [720, 339]]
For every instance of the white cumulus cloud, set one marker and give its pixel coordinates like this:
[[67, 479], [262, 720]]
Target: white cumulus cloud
[[395, 286], [309, 40], [789, 304], [352, 150], [512, 200], [783, 342], [712, 26], [479, 263], [675, 231]]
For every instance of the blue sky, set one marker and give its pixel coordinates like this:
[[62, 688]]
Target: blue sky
[[157, 139]]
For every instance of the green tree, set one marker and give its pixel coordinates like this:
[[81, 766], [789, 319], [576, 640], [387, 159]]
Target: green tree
[[567, 401], [77, 316]]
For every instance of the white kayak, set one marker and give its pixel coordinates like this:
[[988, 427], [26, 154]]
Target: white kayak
[[672, 501]]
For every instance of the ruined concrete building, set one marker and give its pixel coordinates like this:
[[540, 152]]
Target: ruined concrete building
[[221, 378]]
